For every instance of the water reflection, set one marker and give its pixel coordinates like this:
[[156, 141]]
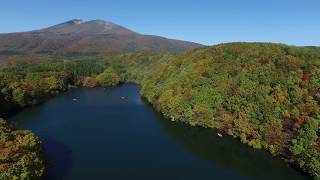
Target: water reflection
[[102, 135], [58, 158], [229, 152]]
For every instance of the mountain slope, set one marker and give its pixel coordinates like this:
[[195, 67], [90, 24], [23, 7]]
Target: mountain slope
[[89, 36]]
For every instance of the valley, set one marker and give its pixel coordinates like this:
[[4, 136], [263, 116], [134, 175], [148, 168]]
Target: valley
[[258, 103], [265, 95]]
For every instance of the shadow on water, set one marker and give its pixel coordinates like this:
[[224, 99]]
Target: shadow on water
[[228, 152], [122, 132], [58, 159]]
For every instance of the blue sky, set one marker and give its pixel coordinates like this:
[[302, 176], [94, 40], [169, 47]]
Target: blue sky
[[295, 22]]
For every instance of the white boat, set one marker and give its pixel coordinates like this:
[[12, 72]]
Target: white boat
[[74, 99], [122, 97], [220, 135]]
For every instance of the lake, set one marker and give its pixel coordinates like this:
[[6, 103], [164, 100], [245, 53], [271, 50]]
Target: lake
[[114, 133]]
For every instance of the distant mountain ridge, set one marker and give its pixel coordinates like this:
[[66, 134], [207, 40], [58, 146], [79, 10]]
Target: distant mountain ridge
[[313, 47], [88, 36]]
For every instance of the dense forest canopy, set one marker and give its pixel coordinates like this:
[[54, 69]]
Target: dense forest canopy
[[266, 95], [20, 151]]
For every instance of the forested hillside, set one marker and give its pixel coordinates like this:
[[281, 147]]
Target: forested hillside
[[20, 154], [266, 95]]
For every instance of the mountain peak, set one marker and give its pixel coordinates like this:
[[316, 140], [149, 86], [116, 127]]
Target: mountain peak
[[79, 26], [71, 22], [75, 21], [94, 35], [103, 23], [67, 23], [100, 21]]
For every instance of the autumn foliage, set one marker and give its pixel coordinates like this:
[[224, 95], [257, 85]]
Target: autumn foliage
[[266, 95]]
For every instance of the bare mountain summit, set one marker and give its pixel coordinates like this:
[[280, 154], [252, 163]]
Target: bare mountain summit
[[88, 36]]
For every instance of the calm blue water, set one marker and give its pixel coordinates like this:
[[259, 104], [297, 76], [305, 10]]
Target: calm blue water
[[103, 136]]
